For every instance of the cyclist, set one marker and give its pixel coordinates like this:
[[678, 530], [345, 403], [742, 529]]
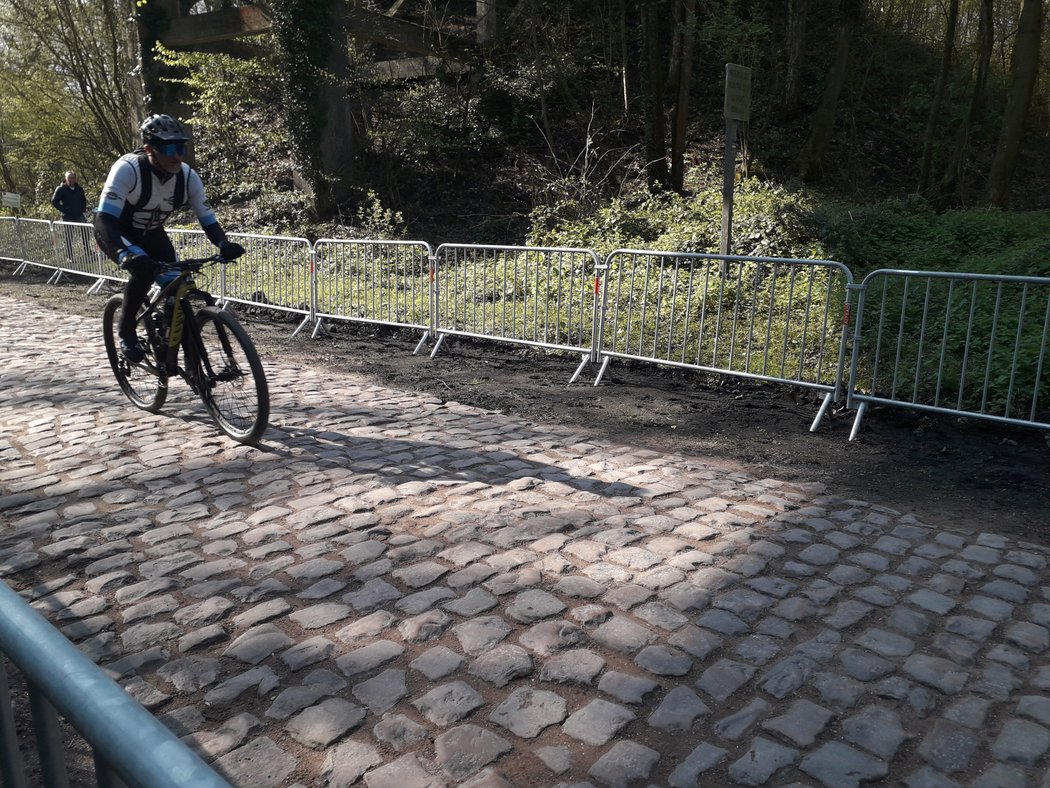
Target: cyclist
[[144, 188]]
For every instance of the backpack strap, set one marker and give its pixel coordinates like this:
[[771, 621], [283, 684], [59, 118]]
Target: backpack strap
[[180, 189], [145, 181]]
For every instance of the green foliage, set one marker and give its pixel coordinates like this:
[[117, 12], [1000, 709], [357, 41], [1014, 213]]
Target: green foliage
[[425, 126], [376, 222], [63, 79], [939, 343], [241, 146], [273, 213], [730, 35], [909, 234], [768, 220]]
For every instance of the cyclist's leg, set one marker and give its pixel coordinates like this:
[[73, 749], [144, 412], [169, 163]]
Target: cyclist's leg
[[158, 246], [139, 281]]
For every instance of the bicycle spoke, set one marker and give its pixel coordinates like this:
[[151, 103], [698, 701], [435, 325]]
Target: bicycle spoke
[[143, 383], [235, 388]]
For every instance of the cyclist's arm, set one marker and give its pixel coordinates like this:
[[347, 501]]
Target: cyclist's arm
[[121, 180], [199, 204], [109, 238]]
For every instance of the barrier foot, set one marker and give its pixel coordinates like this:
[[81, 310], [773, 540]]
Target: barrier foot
[[56, 277], [422, 342], [21, 268], [96, 287], [820, 413], [586, 357], [301, 325], [856, 422], [437, 345], [601, 372], [318, 327]]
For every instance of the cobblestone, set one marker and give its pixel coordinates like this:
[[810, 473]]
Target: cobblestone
[[398, 591]]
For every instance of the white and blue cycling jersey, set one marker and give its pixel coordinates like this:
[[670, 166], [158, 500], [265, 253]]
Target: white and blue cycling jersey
[[141, 200]]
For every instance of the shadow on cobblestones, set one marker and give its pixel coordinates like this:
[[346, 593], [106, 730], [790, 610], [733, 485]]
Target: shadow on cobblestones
[[397, 460]]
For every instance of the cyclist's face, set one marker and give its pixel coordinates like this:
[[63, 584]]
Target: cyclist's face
[[166, 156]]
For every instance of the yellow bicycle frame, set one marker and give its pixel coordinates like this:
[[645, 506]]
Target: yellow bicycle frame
[[178, 316]]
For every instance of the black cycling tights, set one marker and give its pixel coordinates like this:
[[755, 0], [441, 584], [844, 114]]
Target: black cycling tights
[[158, 246]]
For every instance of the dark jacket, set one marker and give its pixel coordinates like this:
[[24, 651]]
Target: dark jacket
[[71, 202]]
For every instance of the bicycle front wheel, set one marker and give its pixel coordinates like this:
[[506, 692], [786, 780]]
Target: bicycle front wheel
[[144, 383], [234, 384]]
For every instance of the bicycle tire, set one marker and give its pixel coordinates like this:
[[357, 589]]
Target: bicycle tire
[[145, 384], [234, 385]]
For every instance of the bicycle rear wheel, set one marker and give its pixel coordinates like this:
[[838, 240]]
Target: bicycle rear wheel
[[145, 384], [234, 390]]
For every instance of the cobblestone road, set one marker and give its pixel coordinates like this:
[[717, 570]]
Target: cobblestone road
[[396, 592]]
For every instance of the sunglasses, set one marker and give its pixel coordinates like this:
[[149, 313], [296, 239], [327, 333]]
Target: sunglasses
[[170, 148]]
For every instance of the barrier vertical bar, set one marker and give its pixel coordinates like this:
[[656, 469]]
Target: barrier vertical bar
[[12, 771], [48, 740]]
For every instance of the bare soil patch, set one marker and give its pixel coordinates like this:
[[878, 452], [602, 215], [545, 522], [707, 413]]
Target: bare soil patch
[[962, 474]]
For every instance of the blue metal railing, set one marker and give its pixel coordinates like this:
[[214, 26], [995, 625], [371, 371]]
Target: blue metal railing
[[129, 743]]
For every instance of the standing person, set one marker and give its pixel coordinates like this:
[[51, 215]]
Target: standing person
[[143, 188], [69, 199]]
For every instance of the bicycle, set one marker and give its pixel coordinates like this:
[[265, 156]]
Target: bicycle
[[219, 360]]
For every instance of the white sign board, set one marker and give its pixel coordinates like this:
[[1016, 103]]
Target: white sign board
[[11, 200], [738, 92]]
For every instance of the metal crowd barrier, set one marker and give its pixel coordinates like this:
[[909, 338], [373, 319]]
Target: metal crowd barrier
[[128, 743], [971, 345], [10, 239], [536, 296], [949, 343], [276, 272], [763, 318], [190, 243], [383, 282], [38, 246], [76, 251]]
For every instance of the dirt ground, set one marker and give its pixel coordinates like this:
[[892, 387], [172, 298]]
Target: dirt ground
[[963, 474]]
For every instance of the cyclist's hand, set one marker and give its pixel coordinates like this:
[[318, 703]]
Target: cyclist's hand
[[133, 261], [230, 250]]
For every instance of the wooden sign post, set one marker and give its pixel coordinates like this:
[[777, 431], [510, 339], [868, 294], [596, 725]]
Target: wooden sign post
[[737, 109]]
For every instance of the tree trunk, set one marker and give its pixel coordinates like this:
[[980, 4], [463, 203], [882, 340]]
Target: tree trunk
[[1024, 70], [655, 118], [621, 7], [490, 21], [311, 39], [339, 134], [952, 180], [674, 56], [795, 45], [929, 138], [163, 92], [686, 36], [5, 171], [811, 158]]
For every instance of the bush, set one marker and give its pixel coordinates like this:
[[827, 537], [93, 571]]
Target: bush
[[909, 234], [768, 221]]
